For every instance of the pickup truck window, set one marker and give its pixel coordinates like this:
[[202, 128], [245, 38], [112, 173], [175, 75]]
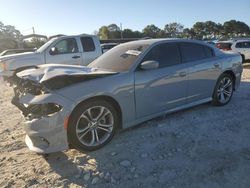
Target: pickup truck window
[[88, 44], [46, 45], [65, 46]]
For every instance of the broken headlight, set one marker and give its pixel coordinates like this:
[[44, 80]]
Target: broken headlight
[[39, 110]]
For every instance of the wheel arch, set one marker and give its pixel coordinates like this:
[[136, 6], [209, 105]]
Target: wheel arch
[[243, 58], [109, 99], [232, 74]]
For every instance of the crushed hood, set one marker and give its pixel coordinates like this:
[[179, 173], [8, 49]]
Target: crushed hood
[[47, 72]]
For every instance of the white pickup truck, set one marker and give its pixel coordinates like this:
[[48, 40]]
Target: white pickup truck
[[73, 50]]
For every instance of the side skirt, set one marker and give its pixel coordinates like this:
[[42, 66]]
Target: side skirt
[[143, 119]]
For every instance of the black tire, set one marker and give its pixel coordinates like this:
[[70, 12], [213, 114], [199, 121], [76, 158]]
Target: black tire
[[217, 101], [74, 123], [243, 58]]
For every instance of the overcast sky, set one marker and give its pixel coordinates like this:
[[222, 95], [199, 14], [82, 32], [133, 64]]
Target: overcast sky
[[50, 17]]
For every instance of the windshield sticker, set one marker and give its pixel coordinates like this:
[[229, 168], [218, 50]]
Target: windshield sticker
[[133, 52]]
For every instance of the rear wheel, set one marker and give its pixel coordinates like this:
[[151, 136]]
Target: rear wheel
[[223, 91], [92, 125]]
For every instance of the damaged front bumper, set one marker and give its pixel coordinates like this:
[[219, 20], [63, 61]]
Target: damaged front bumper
[[45, 115]]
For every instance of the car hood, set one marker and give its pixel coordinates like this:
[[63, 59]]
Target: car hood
[[20, 55], [43, 73]]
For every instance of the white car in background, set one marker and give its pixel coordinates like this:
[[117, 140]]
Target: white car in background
[[240, 46]]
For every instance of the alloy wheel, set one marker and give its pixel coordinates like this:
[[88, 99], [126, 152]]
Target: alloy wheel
[[225, 90], [95, 126]]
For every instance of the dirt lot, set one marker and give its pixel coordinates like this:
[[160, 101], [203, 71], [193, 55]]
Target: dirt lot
[[205, 146]]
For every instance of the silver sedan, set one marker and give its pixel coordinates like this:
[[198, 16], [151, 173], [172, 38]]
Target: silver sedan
[[83, 107]]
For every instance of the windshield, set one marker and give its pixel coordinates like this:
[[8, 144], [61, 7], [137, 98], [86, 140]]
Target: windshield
[[46, 45], [119, 58]]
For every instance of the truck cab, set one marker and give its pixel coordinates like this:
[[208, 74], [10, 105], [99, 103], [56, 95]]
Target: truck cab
[[72, 50]]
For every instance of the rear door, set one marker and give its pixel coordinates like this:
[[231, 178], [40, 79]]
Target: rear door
[[163, 88], [203, 70], [65, 51], [91, 49]]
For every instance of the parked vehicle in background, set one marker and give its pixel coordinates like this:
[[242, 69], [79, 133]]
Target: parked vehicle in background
[[134, 82], [210, 42], [240, 46], [224, 45], [73, 50], [15, 51], [107, 46]]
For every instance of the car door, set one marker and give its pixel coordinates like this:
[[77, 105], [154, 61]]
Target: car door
[[65, 51], [163, 88], [90, 52], [203, 70]]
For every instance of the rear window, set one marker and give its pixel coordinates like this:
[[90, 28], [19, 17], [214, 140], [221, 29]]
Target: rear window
[[193, 52], [224, 45], [208, 52], [87, 44], [242, 45]]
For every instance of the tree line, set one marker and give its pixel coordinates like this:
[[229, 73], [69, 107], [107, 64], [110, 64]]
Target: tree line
[[9, 36], [208, 30]]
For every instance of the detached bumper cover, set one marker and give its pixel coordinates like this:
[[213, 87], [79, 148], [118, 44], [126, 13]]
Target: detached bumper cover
[[45, 133]]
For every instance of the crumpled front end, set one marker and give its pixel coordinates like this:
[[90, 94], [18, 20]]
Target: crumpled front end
[[46, 112], [45, 116]]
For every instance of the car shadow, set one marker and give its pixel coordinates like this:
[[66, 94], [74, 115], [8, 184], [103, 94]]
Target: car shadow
[[198, 142]]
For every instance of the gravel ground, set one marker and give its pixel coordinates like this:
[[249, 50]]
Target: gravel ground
[[204, 146]]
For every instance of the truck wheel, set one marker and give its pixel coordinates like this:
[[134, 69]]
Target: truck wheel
[[223, 91], [92, 125]]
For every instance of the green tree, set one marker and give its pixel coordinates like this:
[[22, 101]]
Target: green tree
[[114, 31], [235, 28], [151, 31], [34, 43], [188, 33], [128, 33], [199, 30], [9, 36], [103, 33], [173, 29], [212, 29]]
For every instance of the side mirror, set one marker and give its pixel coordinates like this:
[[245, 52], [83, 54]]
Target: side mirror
[[148, 65], [53, 51]]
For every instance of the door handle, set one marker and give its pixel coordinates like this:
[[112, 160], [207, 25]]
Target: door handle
[[182, 74], [76, 57]]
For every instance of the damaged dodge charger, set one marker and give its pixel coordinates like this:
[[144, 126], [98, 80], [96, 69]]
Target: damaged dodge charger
[[82, 107]]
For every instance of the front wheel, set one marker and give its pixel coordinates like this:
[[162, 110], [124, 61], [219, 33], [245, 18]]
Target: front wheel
[[223, 91], [92, 125]]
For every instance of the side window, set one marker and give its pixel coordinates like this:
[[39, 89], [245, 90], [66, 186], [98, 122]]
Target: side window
[[66, 46], [88, 44], [192, 52], [243, 45], [239, 45], [208, 52], [247, 44], [165, 54]]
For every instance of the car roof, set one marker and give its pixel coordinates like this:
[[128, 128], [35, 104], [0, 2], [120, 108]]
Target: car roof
[[154, 41], [226, 41], [243, 40]]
